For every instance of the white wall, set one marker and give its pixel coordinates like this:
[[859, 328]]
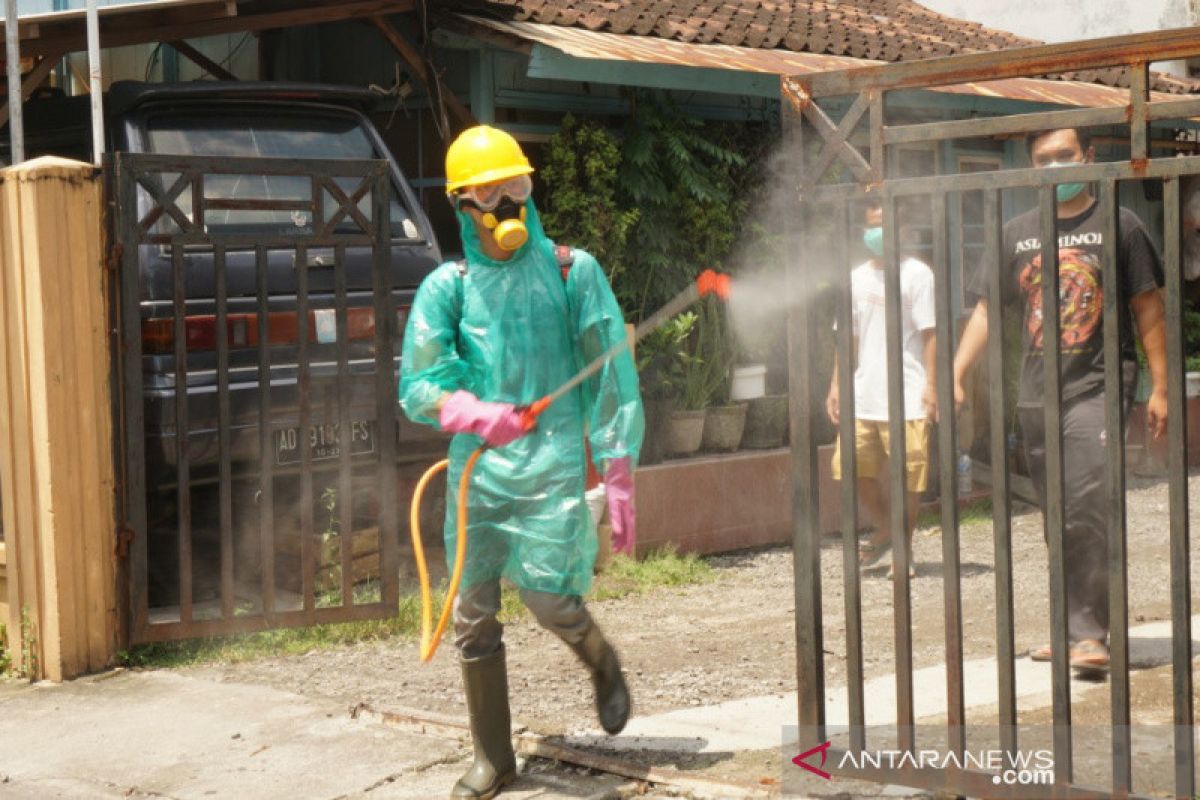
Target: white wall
[[1067, 20]]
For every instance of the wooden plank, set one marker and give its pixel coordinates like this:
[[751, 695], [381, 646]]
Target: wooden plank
[[413, 59], [33, 80], [202, 61], [20, 502]]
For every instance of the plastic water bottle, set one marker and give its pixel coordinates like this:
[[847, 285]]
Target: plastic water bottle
[[964, 475]]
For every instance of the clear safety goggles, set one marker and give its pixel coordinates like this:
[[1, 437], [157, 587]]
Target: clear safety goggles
[[487, 196]]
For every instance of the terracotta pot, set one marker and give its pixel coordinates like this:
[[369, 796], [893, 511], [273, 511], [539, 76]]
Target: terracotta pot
[[723, 426], [684, 432], [766, 422]]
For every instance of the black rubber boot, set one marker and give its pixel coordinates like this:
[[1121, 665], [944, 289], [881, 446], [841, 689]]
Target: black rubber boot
[[485, 683], [612, 695]]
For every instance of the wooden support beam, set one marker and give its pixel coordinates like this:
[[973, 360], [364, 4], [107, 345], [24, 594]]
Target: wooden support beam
[[31, 81], [204, 62], [412, 58]]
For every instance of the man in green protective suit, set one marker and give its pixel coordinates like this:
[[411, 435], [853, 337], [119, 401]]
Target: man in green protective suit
[[486, 336]]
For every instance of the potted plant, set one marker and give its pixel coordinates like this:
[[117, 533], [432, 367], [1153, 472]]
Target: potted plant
[[654, 358], [725, 420], [687, 381]]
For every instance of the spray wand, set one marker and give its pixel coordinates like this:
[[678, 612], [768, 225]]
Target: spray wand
[[708, 282]]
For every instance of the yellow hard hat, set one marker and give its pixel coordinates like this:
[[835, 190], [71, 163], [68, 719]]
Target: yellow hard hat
[[482, 155]]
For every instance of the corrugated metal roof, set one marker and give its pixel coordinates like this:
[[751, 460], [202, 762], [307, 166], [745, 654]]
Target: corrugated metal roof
[[583, 43]]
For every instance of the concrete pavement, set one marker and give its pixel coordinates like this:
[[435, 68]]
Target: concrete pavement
[[168, 735]]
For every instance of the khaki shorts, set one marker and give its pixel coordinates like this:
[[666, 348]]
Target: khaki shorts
[[871, 447]]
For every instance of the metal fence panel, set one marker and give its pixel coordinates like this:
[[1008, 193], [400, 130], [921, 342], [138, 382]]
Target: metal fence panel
[[300, 389]]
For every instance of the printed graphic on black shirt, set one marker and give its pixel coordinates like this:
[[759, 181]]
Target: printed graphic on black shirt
[[1080, 298], [1081, 248]]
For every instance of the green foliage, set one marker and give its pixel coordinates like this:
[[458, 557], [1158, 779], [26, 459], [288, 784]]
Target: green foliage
[[663, 567], [582, 207], [682, 176], [1191, 340], [686, 374]]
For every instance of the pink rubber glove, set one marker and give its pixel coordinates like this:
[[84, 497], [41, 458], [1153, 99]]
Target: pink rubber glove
[[618, 488], [497, 423]]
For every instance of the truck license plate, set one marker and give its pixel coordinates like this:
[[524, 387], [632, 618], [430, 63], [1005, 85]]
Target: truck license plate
[[324, 441]]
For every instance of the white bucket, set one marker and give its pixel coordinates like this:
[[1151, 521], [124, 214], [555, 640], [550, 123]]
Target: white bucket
[[1192, 384], [749, 382]]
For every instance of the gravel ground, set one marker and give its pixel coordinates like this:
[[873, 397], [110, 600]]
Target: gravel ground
[[733, 637]]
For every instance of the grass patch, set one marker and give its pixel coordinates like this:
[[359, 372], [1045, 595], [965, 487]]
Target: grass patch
[[662, 567], [976, 511], [624, 577]]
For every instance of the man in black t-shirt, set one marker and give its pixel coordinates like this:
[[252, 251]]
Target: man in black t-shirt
[[1081, 306]]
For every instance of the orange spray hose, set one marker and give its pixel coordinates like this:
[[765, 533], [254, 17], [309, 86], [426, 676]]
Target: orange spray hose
[[430, 637]]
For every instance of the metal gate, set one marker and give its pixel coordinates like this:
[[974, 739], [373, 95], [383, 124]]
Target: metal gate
[[814, 142], [257, 328]]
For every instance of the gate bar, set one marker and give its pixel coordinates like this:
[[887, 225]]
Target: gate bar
[[266, 481], [1181, 589], [1139, 123], [1053, 514], [1114, 431], [225, 490], [183, 491], [848, 453], [133, 412], [993, 231], [1028, 178], [806, 561], [386, 331], [345, 499], [944, 331], [304, 387], [898, 501], [1086, 117]]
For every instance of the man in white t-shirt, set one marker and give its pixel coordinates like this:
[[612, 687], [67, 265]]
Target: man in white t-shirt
[[871, 382]]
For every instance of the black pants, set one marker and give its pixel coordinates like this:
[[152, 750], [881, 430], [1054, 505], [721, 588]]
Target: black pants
[[1085, 491]]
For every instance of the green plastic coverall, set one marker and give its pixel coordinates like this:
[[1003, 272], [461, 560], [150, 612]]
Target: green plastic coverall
[[513, 331]]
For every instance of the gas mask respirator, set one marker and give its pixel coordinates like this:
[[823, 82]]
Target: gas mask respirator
[[502, 209]]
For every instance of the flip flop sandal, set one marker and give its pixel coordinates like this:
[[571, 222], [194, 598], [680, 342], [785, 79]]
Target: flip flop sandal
[[1090, 656], [1039, 653]]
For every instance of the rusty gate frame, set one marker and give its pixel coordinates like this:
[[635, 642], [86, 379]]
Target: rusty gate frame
[[869, 86], [134, 228]]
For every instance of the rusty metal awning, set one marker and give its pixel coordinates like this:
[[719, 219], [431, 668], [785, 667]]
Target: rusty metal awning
[[585, 44]]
